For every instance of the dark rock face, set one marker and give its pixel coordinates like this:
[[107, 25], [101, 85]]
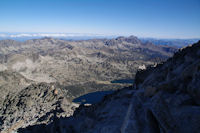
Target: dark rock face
[[165, 99]]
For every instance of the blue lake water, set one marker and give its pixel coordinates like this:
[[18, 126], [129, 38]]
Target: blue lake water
[[95, 97], [92, 98]]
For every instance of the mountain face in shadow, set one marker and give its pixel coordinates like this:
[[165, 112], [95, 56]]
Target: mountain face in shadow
[[165, 98]]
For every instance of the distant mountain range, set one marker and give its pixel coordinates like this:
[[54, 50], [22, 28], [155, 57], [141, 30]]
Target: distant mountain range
[[171, 42], [85, 36]]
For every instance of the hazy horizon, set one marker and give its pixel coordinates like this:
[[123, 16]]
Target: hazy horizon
[[6, 35]]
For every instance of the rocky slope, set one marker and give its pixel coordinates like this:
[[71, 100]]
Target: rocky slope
[[165, 99], [11, 82], [36, 104]]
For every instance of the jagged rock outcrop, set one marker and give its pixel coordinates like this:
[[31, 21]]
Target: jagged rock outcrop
[[164, 99], [11, 82], [38, 103]]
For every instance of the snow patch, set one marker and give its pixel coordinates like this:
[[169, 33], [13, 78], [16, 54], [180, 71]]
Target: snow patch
[[142, 67]]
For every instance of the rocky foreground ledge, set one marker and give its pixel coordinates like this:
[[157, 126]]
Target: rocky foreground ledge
[[165, 99], [36, 104]]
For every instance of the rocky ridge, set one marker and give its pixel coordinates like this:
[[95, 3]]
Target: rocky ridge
[[11, 82], [36, 104]]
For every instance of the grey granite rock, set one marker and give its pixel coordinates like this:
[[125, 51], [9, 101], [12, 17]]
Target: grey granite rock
[[38, 103]]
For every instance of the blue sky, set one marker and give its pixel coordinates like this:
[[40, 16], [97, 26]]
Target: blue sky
[[143, 18]]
